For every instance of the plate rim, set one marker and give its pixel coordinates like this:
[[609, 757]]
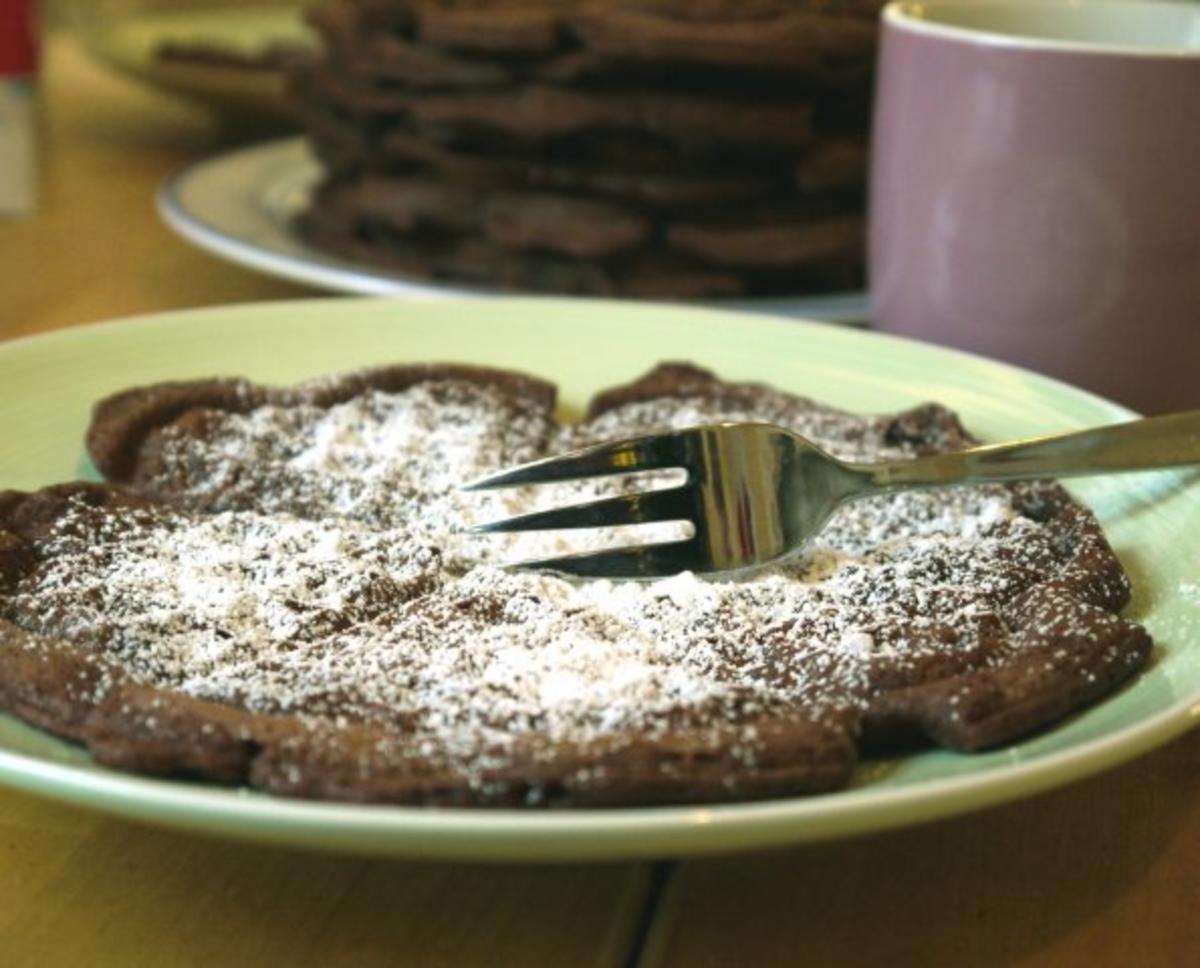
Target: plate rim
[[580, 835]]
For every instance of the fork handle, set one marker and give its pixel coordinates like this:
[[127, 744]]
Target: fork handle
[[1172, 440]]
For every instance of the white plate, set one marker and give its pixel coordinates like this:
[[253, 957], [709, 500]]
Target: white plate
[[241, 206], [48, 383], [129, 40]]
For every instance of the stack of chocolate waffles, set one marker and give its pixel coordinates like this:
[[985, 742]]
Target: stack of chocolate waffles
[[646, 148]]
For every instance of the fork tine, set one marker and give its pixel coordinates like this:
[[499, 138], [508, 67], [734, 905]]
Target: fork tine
[[644, 561], [654, 452], [642, 508]]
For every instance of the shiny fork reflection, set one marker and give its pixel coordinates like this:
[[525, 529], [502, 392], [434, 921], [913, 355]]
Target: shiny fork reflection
[[755, 492]]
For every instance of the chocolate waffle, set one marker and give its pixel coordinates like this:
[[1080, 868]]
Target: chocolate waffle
[[710, 124], [274, 588]]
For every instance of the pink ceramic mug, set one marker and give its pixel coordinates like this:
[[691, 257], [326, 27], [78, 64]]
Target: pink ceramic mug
[[1035, 188]]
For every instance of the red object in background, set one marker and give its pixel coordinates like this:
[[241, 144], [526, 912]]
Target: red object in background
[[18, 50]]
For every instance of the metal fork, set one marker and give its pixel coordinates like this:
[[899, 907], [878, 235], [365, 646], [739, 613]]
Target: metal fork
[[755, 492]]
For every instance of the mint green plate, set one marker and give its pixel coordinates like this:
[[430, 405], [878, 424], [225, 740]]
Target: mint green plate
[[47, 384]]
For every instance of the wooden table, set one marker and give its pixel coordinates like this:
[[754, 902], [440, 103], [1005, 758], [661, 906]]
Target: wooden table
[[1105, 872]]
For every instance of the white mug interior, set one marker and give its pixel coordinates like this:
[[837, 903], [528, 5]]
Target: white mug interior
[[1119, 26]]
